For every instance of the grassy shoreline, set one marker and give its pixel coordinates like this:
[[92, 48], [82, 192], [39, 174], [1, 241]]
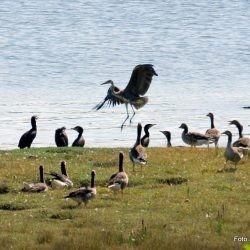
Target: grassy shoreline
[[202, 209]]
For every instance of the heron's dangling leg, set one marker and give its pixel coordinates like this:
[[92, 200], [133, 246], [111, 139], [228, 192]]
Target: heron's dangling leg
[[133, 113], [126, 117]]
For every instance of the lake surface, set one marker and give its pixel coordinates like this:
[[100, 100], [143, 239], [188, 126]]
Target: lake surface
[[55, 54]]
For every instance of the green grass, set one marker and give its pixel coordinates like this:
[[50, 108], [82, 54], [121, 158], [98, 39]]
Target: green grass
[[178, 201]]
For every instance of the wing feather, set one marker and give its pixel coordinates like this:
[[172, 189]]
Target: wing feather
[[140, 80], [110, 99]]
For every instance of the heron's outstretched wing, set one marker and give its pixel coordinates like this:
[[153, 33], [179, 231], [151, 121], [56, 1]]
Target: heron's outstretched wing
[[140, 80], [110, 98]]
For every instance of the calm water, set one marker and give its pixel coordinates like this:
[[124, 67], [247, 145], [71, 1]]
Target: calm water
[[55, 54]]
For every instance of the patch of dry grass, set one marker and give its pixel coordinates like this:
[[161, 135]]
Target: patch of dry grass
[[178, 201]]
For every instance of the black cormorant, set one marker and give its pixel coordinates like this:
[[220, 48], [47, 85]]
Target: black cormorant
[[61, 137], [28, 137], [168, 136], [145, 138], [79, 141]]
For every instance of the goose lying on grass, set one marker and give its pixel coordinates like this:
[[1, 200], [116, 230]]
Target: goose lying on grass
[[61, 180], [36, 187]]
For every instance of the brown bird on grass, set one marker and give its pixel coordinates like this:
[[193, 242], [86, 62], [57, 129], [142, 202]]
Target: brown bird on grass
[[61, 180], [213, 132], [232, 154], [84, 194], [36, 187], [132, 95], [194, 138], [119, 180], [243, 141], [138, 153]]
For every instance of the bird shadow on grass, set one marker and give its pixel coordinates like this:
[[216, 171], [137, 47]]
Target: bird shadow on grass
[[173, 181], [13, 207], [4, 189], [106, 164], [227, 170]]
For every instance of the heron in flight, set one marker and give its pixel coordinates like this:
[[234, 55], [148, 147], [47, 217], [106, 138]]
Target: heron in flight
[[132, 95]]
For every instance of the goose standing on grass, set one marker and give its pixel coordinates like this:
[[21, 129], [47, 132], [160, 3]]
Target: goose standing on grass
[[61, 137], [134, 92], [243, 141], [61, 180], [145, 138], [28, 137], [194, 138], [84, 194], [213, 132], [138, 153], [233, 154], [119, 180], [36, 187], [168, 136], [79, 141]]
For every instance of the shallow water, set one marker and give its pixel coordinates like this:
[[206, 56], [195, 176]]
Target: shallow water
[[55, 54]]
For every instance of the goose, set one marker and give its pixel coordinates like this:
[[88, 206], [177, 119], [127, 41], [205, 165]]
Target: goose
[[61, 137], [233, 154], [79, 141], [36, 187], [193, 138], [243, 141], [138, 153], [28, 137], [145, 138], [213, 132], [84, 194], [168, 136], [61, 180], [119, 180]]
